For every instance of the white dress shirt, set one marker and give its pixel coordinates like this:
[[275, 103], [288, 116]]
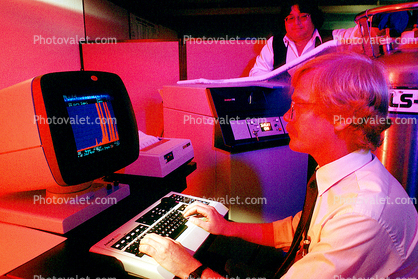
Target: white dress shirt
[[364, 224], [265, 60]]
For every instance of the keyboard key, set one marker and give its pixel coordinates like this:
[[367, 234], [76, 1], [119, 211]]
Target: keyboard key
[[173, 225], [129, 237]]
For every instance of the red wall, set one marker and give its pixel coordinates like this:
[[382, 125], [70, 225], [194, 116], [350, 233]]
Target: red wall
[[23, 22], [225, 59], [42, 36], [144, 67]]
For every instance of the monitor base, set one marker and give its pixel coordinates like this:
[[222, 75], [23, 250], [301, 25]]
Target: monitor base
[[35, 209]]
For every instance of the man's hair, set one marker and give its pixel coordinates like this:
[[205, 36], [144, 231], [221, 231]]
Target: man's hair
[[305, 6], [350, 88]]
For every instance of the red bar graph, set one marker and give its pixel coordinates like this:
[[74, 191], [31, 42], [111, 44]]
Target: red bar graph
[[102, 131], [107, 124]]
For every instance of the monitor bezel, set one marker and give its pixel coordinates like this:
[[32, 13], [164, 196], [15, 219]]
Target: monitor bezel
[[57, 136]]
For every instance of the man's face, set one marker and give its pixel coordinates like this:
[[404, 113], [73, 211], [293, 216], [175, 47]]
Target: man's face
[[309, 130], [299, 26]]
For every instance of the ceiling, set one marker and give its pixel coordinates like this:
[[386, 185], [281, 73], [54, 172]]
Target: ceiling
[[241, 18]]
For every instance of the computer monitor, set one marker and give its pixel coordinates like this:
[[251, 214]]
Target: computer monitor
[[61, 131]]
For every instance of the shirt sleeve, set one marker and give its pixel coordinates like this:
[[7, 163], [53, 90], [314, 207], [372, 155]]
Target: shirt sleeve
[[264, 61], [284, 230], [346, 246]]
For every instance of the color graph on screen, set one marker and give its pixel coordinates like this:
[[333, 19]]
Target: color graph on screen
[[93, 122]]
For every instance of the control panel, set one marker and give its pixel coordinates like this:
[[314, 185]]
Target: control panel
[[249, 118], [258, 127]]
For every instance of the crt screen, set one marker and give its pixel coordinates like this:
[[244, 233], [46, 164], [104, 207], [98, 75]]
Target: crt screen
[[93, 123]]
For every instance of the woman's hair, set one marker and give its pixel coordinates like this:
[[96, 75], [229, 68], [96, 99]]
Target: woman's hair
[[305, 6], [350, 88]]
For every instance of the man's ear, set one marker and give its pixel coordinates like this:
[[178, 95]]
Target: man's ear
[[340, 126], [340, 123]]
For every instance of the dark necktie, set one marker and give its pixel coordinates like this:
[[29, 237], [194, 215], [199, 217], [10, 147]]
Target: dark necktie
[[303, 226]]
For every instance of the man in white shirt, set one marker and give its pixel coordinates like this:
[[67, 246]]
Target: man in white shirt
[[363, 224], [302, 20]]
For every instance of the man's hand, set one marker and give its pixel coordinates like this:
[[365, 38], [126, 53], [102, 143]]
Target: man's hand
[[170, 254], [207, 218]]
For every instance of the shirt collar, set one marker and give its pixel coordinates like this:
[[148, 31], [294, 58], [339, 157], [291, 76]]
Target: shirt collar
[[329, 174], [315, 35]]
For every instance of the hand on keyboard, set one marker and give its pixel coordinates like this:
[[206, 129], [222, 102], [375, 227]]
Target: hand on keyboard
[[169, 253], [163, 233], [213, 222]]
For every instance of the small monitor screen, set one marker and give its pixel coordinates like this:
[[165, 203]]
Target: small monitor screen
[[93, 123]]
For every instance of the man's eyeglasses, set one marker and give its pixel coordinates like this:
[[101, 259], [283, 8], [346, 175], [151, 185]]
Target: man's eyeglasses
[[302, 17], [295, 104]]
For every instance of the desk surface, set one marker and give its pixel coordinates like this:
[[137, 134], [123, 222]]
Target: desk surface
[[15, 241], [72, 259]]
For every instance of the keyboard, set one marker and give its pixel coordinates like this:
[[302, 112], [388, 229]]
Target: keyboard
[[165, 218]]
